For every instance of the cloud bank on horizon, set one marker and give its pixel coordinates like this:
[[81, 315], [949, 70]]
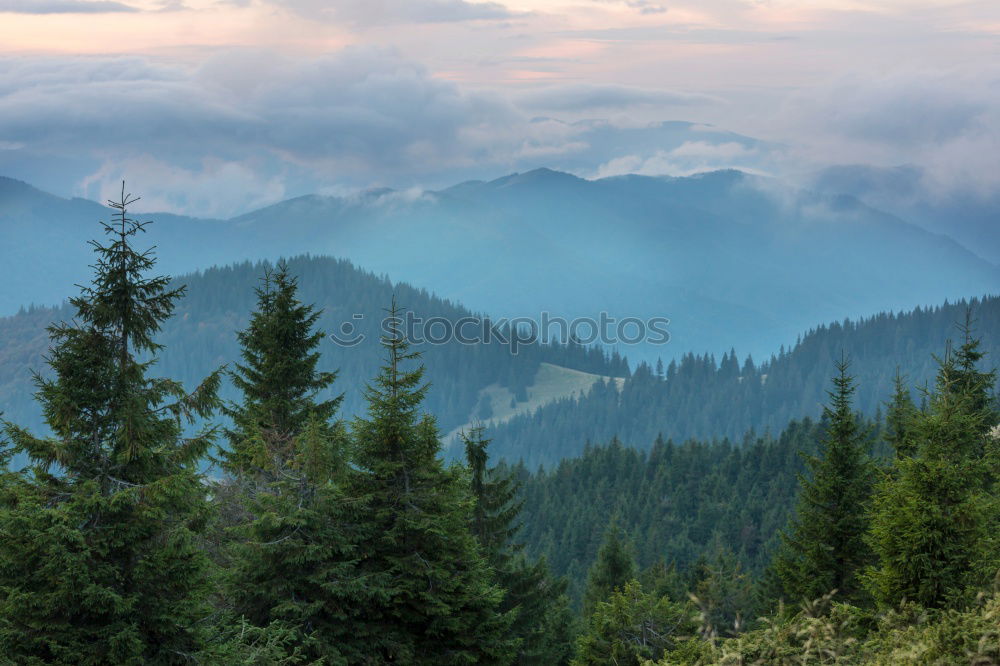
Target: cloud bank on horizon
[[214, 107]]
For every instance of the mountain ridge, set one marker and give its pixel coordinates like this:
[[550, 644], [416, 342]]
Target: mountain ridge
[[202, 335], [708, 251]]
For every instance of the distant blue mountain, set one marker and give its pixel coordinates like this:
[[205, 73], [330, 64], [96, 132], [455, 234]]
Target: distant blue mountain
[[731, 259], [970, 215]]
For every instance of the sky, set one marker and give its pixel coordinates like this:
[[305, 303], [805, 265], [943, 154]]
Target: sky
[[215, 107]]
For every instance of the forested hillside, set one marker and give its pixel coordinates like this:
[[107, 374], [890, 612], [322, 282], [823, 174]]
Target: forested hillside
[[703, 398], [202, 337], [675, 503]]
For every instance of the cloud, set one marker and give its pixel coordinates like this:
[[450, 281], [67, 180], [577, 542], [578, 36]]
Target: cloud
[[688, 158], [583, 97], [215, 188], [893, 110], [63, 7], [252, 125], [646, 7], [947, 122], [387, 12], [360, 116], [680, 34], [641, 6]]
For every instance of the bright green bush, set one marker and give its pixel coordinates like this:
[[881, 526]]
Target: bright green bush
[[633, 626]]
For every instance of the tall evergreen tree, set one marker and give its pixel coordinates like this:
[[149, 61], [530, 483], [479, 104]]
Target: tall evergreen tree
[[824, 549], [542, 621], [965, 377], [496, 505], [98, 560], [278, 378], [292, 560], [613, 568], [933, 517], [437, 602], [899, 418]]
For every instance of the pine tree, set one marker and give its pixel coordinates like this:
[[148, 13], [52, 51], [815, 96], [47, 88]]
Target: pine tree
[[613, 568], [934, 516], [824, 549], [965, 378], [899, 418], [542, 621], [436, 601], [292, 560], [278, 377], [98, 558]]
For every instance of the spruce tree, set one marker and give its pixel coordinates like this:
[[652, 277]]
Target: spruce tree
[[496, 505], [292, 558], [98, 558], [899, 418], [824, 549], [278, 378], [964, 376], [613, 568], [934, 516], [542, 621], [436, 600]]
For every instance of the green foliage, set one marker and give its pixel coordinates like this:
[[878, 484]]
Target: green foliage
[[542, 623], [932, 518], [899, 418], [674, 502], [703, 397], [278, 379], [341, 547], [294, 563], [823, 549], [933, 530], [496, 507], [240, 643], [613, 568], [821, 633], [435, 601], [951, 637], [826, 632], [722, 592], [220, 300], [98, 557], [664, 580], [632, 626], [291, 561]]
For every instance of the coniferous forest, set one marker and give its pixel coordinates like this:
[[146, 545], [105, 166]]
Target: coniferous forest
[[500, 332], [155, 522]]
